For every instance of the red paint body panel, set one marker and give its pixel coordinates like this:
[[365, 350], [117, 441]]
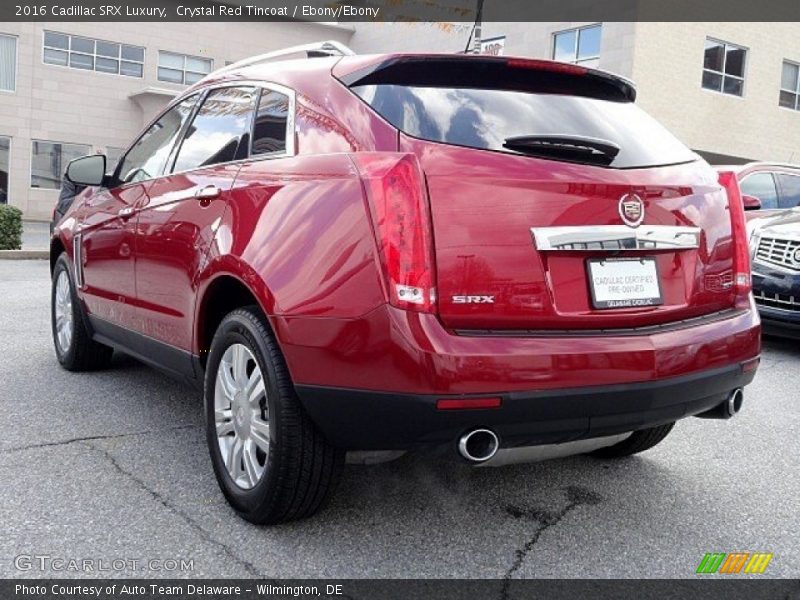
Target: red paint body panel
[[484, 246], [174, 233], [298, 233]]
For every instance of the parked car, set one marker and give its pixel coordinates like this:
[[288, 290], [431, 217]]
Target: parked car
[[767, 188], [775, 248], [396, 251]]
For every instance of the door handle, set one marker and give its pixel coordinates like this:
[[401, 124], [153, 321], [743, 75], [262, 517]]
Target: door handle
[[207, 193], [126, 213]]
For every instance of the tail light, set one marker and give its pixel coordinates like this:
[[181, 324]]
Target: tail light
[[741, 259], [545, 65], [401, 215]]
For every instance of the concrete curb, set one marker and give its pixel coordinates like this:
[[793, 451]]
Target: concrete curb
[[24, 254]]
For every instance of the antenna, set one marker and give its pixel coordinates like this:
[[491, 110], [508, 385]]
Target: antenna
[[476, 31]]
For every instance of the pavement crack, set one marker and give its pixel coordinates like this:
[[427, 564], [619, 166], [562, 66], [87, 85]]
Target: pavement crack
[[576, 496], [205, 535], [91, 438]]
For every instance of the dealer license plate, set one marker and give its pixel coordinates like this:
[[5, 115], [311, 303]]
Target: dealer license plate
[[624, 282]]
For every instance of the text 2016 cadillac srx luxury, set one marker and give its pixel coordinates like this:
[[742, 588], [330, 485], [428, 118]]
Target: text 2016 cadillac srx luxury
[[390, 252]]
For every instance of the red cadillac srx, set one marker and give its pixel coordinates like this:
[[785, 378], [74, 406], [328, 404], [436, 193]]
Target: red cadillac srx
[[383, 253]]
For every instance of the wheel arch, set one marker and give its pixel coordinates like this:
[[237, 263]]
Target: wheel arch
[[223, 292], [57, 247]]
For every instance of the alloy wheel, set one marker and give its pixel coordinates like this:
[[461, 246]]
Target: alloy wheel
[[63, 312], [241, 415]]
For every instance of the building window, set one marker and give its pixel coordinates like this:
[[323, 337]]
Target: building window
[[581, 45], [180, 68], [49, 160], [790, 86], [92, 55], [5, 159], [723, 67], [8, 63]]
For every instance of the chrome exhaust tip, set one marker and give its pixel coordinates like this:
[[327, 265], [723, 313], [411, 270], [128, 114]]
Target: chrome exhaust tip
[[478, 445], [726, 409], [734, 402]]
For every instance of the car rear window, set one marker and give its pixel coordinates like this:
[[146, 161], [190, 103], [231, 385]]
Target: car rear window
[[485, 118]]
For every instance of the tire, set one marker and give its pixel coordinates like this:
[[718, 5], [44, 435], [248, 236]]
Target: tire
[[75, 348], [639, 441], [281, 468]]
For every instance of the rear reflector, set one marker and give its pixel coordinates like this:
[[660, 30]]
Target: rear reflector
[[741, 248], [400, 212], [467, 403], [750, 365]]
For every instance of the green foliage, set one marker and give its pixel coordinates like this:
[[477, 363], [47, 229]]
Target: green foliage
[[10, 227]]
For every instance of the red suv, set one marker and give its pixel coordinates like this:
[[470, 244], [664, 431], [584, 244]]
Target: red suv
[[392, 252]]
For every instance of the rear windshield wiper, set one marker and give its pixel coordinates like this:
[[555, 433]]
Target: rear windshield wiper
[[567, 147]]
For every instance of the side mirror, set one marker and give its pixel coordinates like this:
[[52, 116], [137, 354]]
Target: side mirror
[[751, 202], [87, 170]]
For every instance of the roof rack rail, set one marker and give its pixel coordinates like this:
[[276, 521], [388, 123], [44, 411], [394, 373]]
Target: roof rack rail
[[313, 50]]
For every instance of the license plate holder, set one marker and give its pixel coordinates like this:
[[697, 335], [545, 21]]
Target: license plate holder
[[629, 282]]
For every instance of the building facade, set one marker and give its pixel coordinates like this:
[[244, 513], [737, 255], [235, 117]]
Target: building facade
[[731, 91], [68, 89]]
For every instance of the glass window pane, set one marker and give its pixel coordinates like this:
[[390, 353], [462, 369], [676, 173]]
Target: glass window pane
[[107, 65], [5, 147], [788, 100], [789, 76], [198, 65], [82, 45], [713, 55], [148, 156], [734, 62], [732, 86], [589, 42], [45, 165], [269, 133], [170, 75], [762, 186], [220, 124], [50, 159], [486, 118], [712, 81], [56, 40], [107, 49], [134, 53], [173, 61], [8, 63], [193, 77], [790, 190], [56, 57], [131, 69], [81, 61], [564, 49]]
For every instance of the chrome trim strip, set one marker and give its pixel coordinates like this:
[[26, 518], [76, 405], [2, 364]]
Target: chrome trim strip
[[77, 259], [615, 237]]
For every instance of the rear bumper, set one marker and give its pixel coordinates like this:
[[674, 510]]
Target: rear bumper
[[373, 382], [367, 420]]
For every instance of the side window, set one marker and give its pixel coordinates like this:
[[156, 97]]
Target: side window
[[148, 157], [790, 190], [272, 116], [220, 126], [762, 186]]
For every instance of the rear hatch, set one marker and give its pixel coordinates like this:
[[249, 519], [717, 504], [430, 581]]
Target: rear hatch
[[556, 202]]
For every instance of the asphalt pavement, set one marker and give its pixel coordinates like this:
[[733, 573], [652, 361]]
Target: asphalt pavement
[[112, 466]]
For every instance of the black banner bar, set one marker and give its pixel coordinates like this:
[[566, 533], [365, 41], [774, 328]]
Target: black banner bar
[[711, 587], [345, 11]]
